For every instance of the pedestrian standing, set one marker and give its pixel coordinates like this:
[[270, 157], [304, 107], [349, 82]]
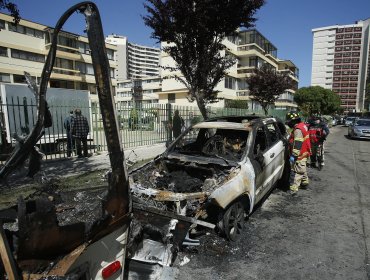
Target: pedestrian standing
[[300, 151], [67, 125], [177, 124], [80, 130]]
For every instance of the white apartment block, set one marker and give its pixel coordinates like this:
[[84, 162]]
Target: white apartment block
[[340, 62], [251, 50], [24, 47], [133, 60], [143, 90]]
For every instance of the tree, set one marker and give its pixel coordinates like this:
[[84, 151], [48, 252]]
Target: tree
[[317, 100], [194, 30], [266, 85], [12, 8]]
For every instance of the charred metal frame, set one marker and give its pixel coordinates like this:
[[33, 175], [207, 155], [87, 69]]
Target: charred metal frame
[[116, 205]]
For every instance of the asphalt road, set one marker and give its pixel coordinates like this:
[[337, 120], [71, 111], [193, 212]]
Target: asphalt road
[[322, 233]]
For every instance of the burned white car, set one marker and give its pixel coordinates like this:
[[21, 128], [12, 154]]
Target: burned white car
[[215, 172]]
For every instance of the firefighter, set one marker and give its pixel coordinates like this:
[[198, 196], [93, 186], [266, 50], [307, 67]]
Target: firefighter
[[318, 131], [300, 151]]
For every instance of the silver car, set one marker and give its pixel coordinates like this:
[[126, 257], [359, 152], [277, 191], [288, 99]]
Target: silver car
[[359, 129], [216, 172], [349, 121]]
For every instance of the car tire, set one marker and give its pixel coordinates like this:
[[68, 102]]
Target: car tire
[[231, 222]]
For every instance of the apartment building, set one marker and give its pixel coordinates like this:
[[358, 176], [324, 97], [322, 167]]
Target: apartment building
[[340, 62], [133, 60], [143, 90], [251, 49], [24, 47]]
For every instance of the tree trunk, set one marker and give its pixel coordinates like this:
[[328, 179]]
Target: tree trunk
[[202, 108], [265, 108]]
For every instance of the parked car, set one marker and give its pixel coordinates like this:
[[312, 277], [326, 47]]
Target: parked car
[[217, 171], [334, 122], [349, 121], [359, 129]]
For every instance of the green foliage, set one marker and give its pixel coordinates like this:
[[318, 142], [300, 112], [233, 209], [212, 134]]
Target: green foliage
[[239, 104], [266, 85], [195, 30], [317, 100]]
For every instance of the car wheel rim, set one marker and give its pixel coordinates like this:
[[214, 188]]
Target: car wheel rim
[[235, 221]]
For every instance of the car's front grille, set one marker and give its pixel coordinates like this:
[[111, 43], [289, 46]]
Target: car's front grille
[[365, 131]]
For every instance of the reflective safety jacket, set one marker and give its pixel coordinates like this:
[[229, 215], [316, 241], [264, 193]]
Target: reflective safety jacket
[[299, 140]]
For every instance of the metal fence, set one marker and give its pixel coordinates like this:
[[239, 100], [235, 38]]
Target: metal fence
[[143, 125]]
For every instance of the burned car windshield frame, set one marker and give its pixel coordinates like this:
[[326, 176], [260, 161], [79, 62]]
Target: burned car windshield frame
[[225, 141]]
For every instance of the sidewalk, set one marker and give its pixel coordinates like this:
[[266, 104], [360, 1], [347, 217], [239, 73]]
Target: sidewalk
[[76, 166]]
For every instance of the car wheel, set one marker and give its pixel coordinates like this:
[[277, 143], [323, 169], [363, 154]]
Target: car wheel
[[231, 223]]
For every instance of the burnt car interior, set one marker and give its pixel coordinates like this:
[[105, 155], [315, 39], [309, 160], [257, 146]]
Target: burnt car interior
[[226, 143]]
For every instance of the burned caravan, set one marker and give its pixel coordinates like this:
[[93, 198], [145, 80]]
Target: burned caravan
[[216, 171]]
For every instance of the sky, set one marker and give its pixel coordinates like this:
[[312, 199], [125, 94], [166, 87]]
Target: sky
[[286, 23]]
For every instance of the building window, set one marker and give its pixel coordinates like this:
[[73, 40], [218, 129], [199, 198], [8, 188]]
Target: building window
[[67, 41], [26, 30], [345, 79], [19, 79], [346, 60], [229, 82], [340, 30], [3, 51], [356, 54], [348, 42], [4, 77], [83, 48], [339, 36], [171, 98], [356, 48], [357, 35], [110, 54], [338, 43], [336, 79], [61, 84], [358, 29], [349, 29], [347, 54], [64, 63], [338, 55], [354, 66], [357, 42], [337, 61], [346, 66], [354, 78], [337, 66], [27, 56], [355, 60], [347, 48], [338, 49], [348, 36], [2, 24]]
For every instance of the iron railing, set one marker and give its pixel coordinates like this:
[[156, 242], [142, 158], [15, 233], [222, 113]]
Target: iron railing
[[141, 125]]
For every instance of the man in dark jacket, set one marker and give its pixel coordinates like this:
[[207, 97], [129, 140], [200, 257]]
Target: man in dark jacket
[[80, 130], [177, 124]]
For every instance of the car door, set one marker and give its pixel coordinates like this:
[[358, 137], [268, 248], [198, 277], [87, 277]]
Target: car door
[[261, 161], [276, 152]]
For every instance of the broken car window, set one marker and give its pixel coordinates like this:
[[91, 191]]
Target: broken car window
[[272, 134], [229, 144], [260, 143]]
